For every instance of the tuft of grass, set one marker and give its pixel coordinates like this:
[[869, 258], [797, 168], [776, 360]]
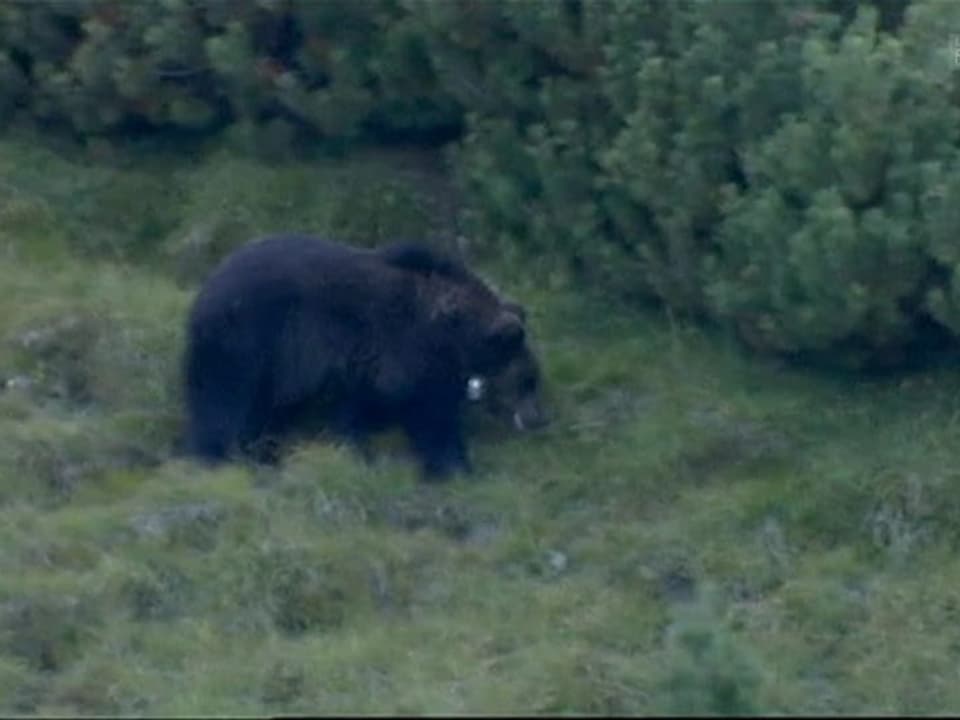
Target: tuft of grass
[[707, 671]]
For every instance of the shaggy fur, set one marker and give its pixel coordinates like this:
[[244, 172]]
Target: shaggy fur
[[292, 326]]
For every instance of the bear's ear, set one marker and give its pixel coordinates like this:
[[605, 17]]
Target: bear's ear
[[447, 308], [507, 331]]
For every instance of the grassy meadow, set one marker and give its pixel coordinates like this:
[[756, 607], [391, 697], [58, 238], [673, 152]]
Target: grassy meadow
[[699, 530]]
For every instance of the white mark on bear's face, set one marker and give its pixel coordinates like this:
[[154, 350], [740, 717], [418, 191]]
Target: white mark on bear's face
[[476, 386]]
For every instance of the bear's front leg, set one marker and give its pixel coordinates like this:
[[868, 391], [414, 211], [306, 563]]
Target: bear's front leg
[[437, 438]]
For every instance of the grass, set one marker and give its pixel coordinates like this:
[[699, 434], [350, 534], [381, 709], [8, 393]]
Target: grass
[[698, 531]]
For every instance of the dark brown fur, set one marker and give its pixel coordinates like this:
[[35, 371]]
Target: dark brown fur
[[293, 325]]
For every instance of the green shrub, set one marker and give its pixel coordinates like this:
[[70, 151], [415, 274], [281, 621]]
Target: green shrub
[[329, 68], [828, 244], [783, 169]]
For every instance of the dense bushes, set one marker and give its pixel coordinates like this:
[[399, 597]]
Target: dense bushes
[[829, 240], [330, 67], [785, 168]]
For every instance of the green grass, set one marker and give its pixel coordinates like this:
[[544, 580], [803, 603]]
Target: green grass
[[698, 531]]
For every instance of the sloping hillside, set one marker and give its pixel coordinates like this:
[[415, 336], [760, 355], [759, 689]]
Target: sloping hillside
[[698, 531]]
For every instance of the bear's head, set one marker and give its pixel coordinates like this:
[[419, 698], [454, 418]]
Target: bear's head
[[514, 393], [501, 368], [487, 331]]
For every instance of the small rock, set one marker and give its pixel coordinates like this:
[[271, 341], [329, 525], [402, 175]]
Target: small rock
[[557, 561], [18, 382], [482, 533]]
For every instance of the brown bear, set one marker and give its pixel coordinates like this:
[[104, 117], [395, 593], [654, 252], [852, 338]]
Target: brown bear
[[295, 326]]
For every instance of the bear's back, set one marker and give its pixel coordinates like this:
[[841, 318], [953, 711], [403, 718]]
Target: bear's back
[[280, 268]]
